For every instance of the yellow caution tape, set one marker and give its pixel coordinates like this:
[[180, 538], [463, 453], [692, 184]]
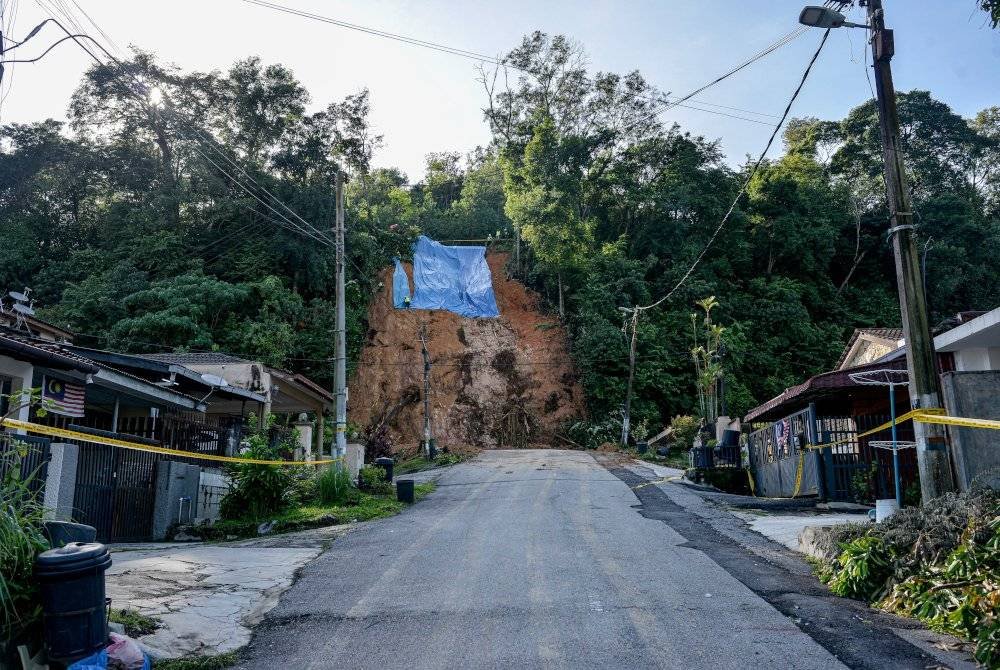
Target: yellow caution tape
[[753, 486], [124, 444], [798, 473], [912, 414], [956, 421]]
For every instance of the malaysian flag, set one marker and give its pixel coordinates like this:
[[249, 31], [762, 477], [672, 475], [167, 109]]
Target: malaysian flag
[[62, 397]]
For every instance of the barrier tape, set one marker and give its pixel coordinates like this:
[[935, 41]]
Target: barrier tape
[[798, 474], [125, 444], [912, 414], [753, 485]]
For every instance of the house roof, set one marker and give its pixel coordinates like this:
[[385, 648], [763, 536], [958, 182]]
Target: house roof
[[43, 351], [888, 334], [150, 364], [821, 384], [197, 358], [982, 331]]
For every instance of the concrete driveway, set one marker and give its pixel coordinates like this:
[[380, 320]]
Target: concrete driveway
[[527, 559]]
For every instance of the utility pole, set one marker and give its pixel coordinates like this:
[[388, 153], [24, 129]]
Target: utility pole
[[428, 441], [933, 461], [340, 370], [627, 415]]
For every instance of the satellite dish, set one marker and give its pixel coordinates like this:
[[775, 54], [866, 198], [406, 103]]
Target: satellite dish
[[17, 295], [22, 308], [214, 380]]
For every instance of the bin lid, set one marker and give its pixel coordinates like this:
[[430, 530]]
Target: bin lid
[[73, 555], [383, 460]]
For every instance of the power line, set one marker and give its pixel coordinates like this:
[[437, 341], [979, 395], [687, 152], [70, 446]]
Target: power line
[[444, 48], [746, 182]]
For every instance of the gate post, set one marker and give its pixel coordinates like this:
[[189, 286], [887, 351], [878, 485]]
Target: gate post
[[60, 482], [823, 467]]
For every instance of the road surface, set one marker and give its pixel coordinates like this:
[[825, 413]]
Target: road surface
[[555, 559]]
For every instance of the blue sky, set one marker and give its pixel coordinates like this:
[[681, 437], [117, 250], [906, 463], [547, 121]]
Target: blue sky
[[426, 101]]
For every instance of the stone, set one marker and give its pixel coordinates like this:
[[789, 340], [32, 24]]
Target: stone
[[267, 527]]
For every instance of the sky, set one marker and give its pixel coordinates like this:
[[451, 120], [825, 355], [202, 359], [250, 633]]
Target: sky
[[425, 101]]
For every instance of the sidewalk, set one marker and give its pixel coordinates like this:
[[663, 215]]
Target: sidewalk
[[207, 597], [778, 520]]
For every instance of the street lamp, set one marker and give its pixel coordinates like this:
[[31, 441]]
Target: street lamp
[[824, 17]]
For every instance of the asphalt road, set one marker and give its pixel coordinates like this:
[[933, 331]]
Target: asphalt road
[[550, 559]]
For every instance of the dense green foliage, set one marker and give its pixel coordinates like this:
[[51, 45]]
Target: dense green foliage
[[134, 232], [258, 491], [21, 540], [939, 563]]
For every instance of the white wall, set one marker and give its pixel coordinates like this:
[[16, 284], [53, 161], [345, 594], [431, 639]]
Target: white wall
[[977, 359], [21, 372]]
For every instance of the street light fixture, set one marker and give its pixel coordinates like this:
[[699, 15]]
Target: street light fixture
[[824, 17]]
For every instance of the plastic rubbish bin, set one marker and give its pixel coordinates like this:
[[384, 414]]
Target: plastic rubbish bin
[[404, 491], [641, 447], [386, 464], [74, 611], [60, 533]]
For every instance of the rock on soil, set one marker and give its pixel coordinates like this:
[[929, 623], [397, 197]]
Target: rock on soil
[[496, 383]]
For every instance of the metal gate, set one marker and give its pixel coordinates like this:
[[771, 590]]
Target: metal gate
[[115, 492], [780, 460], [34, 464]]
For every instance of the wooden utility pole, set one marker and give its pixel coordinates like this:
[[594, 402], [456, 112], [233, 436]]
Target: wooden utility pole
[[428, 441], [627, 415], [340, 369], [933, 460]]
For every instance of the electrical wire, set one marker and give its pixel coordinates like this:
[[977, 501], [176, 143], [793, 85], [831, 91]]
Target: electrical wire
[[746, 182], [444, 48]]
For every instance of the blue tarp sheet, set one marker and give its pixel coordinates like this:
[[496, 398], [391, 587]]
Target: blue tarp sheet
[[453, 278], [400, 286]]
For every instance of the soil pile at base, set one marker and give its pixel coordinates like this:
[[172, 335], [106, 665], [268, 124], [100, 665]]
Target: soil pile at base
[[495, 383]]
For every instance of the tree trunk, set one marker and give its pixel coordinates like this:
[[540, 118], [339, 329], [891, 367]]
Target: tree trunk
[[562, 311]]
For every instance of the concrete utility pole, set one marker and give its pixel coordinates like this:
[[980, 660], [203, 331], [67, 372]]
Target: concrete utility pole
[[933, 460], [428, 441], [627, 415], [340, 370]]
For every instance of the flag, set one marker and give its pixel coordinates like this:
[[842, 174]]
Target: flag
[[62, 397]]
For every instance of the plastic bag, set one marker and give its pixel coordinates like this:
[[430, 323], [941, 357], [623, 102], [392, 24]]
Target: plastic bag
[[124, 653]]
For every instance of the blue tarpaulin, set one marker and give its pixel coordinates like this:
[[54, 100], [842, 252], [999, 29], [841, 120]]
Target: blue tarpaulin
[[453, 278], [400, 286]]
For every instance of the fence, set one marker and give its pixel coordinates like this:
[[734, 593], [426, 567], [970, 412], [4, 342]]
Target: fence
[[780, 461], [854, 471], [34, 463]]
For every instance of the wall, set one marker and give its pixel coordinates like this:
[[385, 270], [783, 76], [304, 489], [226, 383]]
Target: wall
[[21, 372], [976, 451], [212, 486], [979, 358], [175, 481]]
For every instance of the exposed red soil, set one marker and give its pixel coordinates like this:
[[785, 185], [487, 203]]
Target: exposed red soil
[[505, 382]]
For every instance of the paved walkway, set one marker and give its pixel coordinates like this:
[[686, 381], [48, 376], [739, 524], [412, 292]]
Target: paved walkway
[[209, 596]]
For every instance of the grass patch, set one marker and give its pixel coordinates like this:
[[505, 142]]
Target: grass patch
[[198, 662], [419, 463], [136, 624], [361, 506]]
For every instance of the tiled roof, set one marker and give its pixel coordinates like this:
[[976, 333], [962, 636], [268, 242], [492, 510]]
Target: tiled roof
[[197, 358], [43, 351]]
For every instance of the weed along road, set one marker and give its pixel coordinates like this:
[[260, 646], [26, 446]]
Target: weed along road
[[525, 559]]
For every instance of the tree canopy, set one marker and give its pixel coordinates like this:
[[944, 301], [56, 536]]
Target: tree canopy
[[131, 225]]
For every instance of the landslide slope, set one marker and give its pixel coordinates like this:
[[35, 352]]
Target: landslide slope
[[495, 383]]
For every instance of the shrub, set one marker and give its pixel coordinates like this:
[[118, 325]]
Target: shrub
[[333, 486], [257, 491], [372, 479], [685, 428], [21, 539]]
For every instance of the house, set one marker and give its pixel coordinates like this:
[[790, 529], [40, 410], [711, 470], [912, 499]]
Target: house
[[835, 406]]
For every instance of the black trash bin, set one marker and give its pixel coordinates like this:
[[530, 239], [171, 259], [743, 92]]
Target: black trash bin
[[74, 612], [404, 491], [386, 464], [642, 447]]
